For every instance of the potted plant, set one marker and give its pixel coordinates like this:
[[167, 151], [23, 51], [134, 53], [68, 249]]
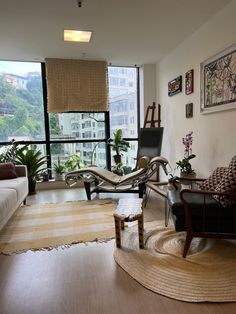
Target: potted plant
[[10, 152], [45, 174], [118, 144], [34, 162], [59, 171], [72, 163], [184, 164]]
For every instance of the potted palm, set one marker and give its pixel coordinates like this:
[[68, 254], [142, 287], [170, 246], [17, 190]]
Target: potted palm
[[118, 144], [34, 162]]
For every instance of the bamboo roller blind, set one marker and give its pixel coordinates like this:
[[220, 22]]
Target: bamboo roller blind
[[76, 85]]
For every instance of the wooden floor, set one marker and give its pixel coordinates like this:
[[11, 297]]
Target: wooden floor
[[84, 278]]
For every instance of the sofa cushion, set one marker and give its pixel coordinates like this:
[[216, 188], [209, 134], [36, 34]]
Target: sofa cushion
[[19, 184], [8, 201], [7, 171], [227, 184]]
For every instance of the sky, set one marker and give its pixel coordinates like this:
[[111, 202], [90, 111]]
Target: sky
[[19, 68]]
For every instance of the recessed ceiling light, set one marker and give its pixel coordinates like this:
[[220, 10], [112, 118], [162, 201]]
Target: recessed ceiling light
[[79, 36]]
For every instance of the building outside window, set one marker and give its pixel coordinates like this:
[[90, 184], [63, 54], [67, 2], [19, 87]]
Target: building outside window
[[22, 115]]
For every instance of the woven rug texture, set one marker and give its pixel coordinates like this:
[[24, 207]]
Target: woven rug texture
[[207, 274], [47, 226]]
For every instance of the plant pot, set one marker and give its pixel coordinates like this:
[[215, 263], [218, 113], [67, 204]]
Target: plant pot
[[45, 177], [59, 177], [32, 186], [117, 159]]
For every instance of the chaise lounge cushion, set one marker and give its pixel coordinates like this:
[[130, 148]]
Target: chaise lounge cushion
[[7, 171]]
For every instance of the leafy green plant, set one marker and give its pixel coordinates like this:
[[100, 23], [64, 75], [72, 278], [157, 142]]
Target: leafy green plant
[[58, 168], [11, 152], [33, 160], [118, 144], [72, 163]]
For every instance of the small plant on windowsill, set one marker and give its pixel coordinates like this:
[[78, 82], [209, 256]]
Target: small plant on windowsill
[[184, 164], [59, 170]]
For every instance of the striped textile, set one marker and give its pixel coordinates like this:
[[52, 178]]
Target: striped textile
[[46, 226]]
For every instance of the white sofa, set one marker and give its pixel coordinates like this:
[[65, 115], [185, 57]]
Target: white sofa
[[13, 193]]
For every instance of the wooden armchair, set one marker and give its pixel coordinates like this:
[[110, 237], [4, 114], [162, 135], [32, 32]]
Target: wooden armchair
[[201, 212]]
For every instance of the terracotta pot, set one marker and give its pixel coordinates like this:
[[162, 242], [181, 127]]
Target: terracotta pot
[[117, 159]]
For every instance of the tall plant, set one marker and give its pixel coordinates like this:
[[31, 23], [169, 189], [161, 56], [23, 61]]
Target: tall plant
[[33, 160], [35, 163], [118, 144]]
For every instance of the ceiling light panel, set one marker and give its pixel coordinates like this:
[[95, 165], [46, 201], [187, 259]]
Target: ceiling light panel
[[78, 36]]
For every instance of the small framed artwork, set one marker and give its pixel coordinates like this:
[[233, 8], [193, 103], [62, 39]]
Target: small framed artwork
[[189, 82], [175, 86], [218, 81], [189, 110]]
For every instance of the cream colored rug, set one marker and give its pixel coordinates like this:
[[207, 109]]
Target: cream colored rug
[[208, 273], [46, 226]]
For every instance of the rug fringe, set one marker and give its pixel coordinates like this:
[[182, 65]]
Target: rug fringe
[[57, 247]]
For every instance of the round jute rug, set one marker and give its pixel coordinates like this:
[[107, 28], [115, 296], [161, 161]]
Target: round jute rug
[[208, 273]]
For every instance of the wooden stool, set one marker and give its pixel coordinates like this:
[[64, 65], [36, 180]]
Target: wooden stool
[[129, 210]]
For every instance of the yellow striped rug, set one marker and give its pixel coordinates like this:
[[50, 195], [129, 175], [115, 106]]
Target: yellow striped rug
[[47, 226]]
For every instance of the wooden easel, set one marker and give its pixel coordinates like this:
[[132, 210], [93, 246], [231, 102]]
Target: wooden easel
[[152, 121]]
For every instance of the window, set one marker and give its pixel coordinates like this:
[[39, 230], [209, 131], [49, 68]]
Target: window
[[123, 101], [21, 102], [60, 135]]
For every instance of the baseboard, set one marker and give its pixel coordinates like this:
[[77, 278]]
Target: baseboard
[[52, 184]]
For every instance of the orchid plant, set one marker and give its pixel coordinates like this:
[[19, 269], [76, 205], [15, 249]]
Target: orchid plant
[[184, 164]]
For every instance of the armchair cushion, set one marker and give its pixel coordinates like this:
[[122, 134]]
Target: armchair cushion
[[214, 179], [212, 210], [227, 184]]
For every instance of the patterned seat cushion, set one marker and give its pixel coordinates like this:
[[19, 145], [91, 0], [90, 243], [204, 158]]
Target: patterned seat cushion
[[227, 184], [211, 183]]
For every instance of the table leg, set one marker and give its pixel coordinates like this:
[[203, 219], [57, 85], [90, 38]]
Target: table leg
[[140, 232], [117, 227]]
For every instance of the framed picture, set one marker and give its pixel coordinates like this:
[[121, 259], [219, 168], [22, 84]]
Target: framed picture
[[175, 86], [189, 110], [189, 82], [218, 82]]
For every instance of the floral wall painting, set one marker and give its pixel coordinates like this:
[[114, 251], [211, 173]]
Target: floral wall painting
[[175, 86], [189, 82], [218, 82]]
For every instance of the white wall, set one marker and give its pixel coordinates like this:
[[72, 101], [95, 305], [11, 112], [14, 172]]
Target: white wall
[[147, 89], [214, 134]]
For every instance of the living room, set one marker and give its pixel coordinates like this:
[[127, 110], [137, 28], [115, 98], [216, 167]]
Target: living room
[[85, 278]]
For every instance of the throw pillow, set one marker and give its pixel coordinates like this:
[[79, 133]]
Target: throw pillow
[[7, 171], [211, 183], [227, 184]]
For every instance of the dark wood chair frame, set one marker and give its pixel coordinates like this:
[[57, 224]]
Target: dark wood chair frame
[[190, 233]]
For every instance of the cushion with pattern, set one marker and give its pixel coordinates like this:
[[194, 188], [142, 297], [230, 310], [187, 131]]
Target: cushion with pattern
[[227, 184], [211, 183], [7, 171]]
